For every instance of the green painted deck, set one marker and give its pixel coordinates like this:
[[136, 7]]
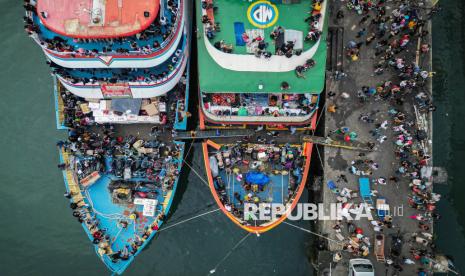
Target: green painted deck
[[290, 17], [214, 78]]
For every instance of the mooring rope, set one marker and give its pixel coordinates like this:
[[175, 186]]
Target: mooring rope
[[201, 178], [189, 150], [186, 220], [313, 233], [228, 254], [319, 118], [313, 133]]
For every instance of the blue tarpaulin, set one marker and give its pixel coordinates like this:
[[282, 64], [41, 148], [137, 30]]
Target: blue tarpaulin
[[365, 191], [257, 178], [108, 163], [238, 31], [331, 185]]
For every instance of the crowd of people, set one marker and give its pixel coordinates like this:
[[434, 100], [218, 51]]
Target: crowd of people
[[391, 33], [146, 42], [139, 168], [275, 105], [76, 111], [260, 49], [145, 159], [212, 27], [413, 167], [154, 163], [251, 165], [125, 75], [314, 22], [73, 116]]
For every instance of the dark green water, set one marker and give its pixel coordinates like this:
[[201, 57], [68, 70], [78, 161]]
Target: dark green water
[[39, 236], [449, 125]]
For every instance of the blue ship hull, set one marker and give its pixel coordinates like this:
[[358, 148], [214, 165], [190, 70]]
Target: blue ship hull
[[100, 205]]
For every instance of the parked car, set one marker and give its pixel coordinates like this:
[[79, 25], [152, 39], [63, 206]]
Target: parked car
[[361, 267]]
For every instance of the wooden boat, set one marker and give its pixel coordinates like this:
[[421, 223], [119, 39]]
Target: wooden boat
[[120, 228], [284, 187]]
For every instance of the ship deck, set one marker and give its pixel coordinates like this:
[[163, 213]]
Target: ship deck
[[229, 12], [97, 18], [79, 46], [108, 213], [214, 78], [124, 74], [242, 173], [275, 192]]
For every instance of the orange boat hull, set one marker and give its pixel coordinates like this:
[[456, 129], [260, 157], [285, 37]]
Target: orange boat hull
[[257, 229]]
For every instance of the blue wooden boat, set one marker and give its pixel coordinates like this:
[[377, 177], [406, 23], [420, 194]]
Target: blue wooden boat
[[128, 229], [121, 85]]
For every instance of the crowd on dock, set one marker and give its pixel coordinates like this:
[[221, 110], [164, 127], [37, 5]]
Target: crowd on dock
[[148, 41], [395, 33], [250, 173]]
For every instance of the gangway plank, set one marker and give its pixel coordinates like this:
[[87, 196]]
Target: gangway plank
[[213, 134], [322, 141]]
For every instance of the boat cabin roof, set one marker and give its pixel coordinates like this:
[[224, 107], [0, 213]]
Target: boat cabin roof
[[97, 18], [242, 72]]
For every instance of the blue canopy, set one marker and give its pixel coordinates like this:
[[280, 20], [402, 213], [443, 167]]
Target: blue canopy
[[108, 162], [331, 185], [258, 178], [365, 191]]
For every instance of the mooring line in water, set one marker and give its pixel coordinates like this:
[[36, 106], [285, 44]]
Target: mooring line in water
[[319, 118], [186, 220], [313, 233], [189, 150], [313, 133], [229, 253], [193, 213], [319, 156], [201, 178]]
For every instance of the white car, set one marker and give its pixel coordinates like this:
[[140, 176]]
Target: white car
[[361, 267]]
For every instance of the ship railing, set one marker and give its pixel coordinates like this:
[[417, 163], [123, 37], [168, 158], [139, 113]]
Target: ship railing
[[174, 71], [257, 118], [211, 17], [178, 26], [73, 185], [274, 63]]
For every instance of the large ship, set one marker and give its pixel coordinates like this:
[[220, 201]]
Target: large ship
[[120, 71], [262, 66]]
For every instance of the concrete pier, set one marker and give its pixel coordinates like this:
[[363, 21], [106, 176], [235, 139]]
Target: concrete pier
[[343, 109]]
